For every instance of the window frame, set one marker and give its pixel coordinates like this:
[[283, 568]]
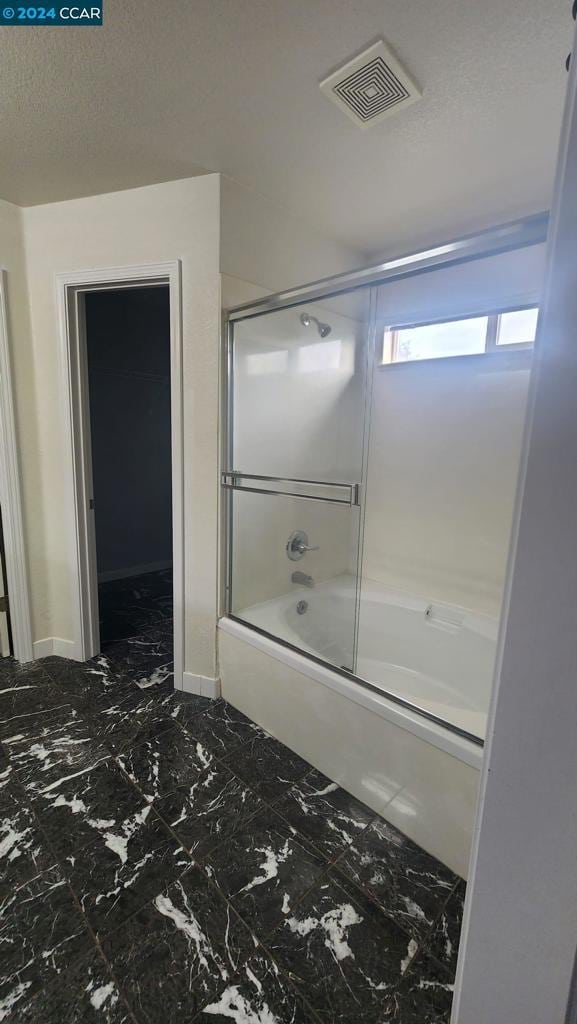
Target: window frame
[[491, 347]]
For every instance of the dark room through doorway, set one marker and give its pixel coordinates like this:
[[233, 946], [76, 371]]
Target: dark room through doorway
[[129, 386]]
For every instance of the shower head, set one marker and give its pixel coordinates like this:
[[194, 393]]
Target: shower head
[[307, 319]]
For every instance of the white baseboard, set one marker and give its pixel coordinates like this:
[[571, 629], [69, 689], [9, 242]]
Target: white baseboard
[[43, 648], [132, 570], [203, 686], [55, 645]]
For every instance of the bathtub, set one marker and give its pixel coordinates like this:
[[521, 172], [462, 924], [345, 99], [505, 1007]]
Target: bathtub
[[434, 657], [405, 739]]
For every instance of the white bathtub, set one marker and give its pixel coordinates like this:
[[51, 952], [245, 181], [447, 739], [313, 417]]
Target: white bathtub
[[437, 657]]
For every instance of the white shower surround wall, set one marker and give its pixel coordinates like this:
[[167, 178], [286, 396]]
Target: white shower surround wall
[[439, 657], [421, 777]]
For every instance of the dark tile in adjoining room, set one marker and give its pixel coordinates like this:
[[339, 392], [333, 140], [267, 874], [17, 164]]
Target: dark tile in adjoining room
[[326, 814], [84, 994], [264, 870], [42, 932], [163, 626], [114, 878], [99, 804], [258, 994], [207, 811], [175, 954], [121, 624], [134, 604], [145, 661], [446, 935], [167, 760], [221, 727], [267, 765], [342, 953], [151, 615], [24, 852], [409, 884], [163, 632]]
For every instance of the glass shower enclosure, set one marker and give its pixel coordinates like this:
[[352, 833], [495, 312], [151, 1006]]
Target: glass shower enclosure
[[369, 496]]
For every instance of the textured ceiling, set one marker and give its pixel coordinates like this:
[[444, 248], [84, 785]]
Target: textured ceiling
[[173, 88]]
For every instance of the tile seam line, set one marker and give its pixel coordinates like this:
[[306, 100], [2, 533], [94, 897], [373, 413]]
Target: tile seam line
[[59, 863]]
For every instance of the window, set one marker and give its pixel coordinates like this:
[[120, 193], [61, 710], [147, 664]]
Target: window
[[517, 327], [509, 329]]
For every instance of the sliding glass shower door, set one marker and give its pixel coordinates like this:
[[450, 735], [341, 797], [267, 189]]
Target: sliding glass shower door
[[450, 383], [375, 440], [294, 473]]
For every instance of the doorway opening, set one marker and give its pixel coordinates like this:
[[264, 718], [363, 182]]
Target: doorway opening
[[128, 369], [121, 364]]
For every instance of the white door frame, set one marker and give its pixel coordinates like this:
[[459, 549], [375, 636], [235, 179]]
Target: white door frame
[[74, 381], [10, 496]]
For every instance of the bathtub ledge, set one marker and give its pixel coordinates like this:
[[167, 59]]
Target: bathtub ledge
[[451, 743]]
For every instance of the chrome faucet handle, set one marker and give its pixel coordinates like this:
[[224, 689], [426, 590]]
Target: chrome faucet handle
[[308, 547], [297, 545]]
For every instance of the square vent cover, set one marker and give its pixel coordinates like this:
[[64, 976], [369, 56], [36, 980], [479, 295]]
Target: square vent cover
[[372, 86]]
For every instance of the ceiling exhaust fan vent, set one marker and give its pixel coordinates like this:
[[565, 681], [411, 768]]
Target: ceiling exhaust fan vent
[[371, 86]]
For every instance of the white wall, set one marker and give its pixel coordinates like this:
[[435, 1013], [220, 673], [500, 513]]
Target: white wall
[[177, 220], [234, 291], [445, 442], [12, 259], [265, 245]]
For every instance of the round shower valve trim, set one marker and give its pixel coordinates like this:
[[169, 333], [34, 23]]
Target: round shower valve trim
[[297, 545]]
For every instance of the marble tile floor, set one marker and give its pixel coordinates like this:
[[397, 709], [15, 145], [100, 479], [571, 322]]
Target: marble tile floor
[[165, 860], [135, 604]]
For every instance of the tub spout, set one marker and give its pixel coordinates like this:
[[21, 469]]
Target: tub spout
[[303, 579]]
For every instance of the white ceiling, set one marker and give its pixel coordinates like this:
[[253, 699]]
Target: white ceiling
[[171, 88]]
